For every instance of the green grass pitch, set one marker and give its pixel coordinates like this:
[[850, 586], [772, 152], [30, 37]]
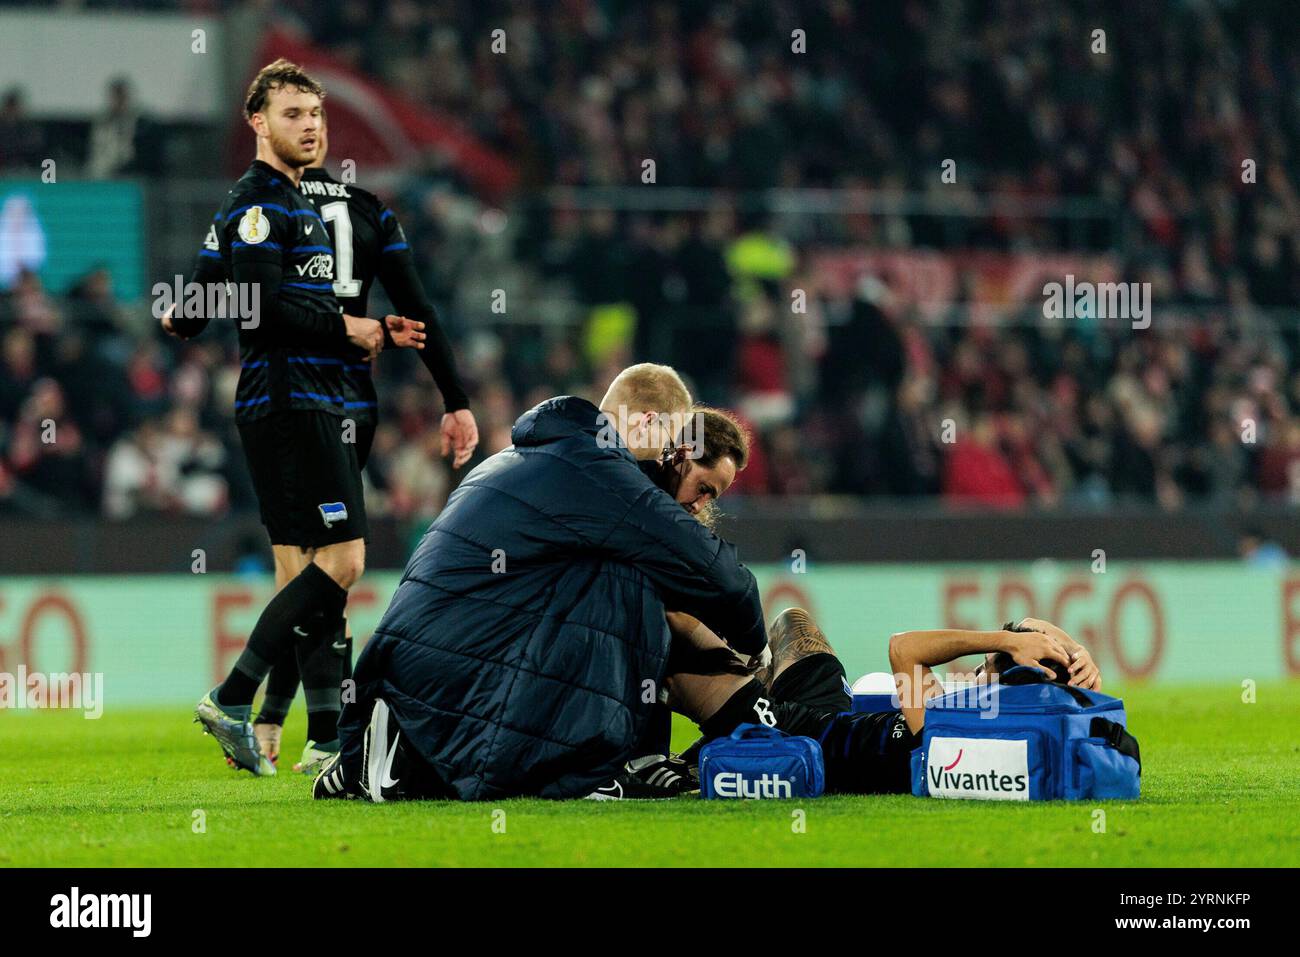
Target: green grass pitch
[[1220, 786]]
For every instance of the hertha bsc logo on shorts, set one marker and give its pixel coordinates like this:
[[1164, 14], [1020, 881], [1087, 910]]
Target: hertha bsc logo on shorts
[[331, 512]]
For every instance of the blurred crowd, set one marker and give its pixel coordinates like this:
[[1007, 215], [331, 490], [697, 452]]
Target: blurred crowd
[[1185, 127], [99, 412]]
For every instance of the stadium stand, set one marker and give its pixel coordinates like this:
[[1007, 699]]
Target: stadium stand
[[1140, 169]]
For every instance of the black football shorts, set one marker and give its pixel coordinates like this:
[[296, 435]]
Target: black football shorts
[[307, 475]]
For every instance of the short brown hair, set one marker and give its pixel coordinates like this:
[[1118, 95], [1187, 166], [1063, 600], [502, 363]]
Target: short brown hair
[[724, 435], [273, 76]]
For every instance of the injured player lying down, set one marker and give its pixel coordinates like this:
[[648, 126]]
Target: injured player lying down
[[804, 691]]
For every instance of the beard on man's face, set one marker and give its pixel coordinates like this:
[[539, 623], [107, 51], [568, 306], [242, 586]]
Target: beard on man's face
[[291, 152], [709, 515]]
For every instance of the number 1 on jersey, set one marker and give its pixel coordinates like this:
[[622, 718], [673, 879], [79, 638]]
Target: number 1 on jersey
[[336, 214]]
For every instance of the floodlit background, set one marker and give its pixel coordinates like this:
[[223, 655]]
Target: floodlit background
[[835, 218]]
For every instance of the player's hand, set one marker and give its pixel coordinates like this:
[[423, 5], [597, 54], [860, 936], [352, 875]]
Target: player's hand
[[1032, 648], [365, 334], [167, 322], [1055, 631], [406, 333], [1084, 672], [459, 435]]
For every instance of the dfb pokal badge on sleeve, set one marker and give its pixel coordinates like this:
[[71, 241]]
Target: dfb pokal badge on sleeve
[[253, 226]]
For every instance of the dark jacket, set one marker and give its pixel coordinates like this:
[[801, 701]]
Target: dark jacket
[[525, 646]]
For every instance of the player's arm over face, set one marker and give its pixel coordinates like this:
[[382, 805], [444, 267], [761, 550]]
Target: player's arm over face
[[914, 654], [1084, 672]]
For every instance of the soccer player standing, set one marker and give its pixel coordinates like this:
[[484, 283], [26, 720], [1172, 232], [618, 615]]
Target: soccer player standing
[[369, 244], [291, 403]]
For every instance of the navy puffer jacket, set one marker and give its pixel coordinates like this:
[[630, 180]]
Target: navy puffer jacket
[[525, 645]]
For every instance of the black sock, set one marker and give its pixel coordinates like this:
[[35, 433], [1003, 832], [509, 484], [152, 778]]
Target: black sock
[[281, 686], [746, 706], [658, 733], [310, 594], [320, 659]]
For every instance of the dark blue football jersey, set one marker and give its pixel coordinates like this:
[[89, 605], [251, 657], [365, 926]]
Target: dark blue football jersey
[[267, 220]]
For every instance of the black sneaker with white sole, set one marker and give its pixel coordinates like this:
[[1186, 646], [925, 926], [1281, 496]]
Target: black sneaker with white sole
[[670, 773], [383, 761], [331, 783], [649, 778]]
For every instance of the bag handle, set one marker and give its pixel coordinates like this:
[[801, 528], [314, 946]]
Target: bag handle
[[753, 732], [1117, 736]]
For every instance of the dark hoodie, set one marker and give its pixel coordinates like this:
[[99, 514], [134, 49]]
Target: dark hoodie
[[524, 648]]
